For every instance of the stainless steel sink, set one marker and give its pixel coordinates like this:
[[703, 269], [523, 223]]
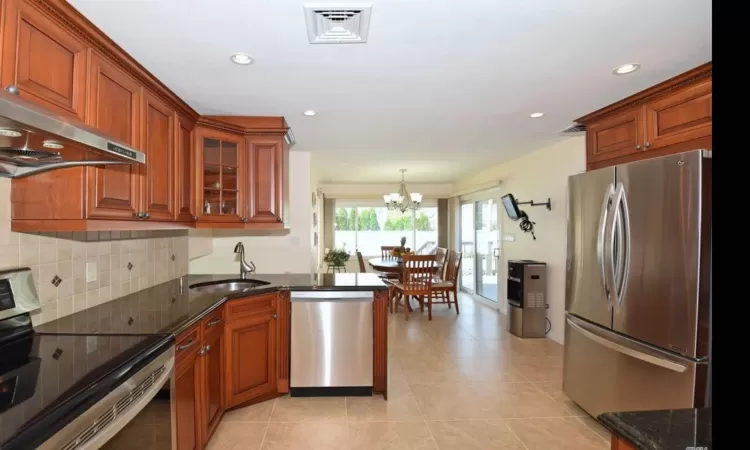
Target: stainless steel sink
[[211, 287]]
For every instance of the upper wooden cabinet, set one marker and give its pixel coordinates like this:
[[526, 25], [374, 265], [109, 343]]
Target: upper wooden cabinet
[[214, 172], [265, 168], [158, 178], [43, 60], [186, 204], [671, 117], [114, 107], [246, 190]]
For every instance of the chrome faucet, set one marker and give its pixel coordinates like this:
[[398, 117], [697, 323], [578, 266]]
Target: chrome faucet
[[245, 268]]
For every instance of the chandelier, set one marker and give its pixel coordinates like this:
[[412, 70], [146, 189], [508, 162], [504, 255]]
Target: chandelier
[[402, 200]]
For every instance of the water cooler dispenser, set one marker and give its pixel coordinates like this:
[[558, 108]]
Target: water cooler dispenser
[[527, 283]]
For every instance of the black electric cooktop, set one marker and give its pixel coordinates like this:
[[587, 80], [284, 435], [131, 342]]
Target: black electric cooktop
[[46, 381]]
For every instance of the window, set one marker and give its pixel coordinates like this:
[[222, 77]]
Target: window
[[359, 226]]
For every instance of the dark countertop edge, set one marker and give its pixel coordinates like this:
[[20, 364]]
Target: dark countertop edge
[[57, 416], [260, 291], [618, 427]]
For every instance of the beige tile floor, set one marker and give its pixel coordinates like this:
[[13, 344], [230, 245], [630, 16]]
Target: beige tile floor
[[459, 382]]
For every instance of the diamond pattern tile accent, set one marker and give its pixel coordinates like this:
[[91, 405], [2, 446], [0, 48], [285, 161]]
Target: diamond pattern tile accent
[[56, 281], [130, 265]]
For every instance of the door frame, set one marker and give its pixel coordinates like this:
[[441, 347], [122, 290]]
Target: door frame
[[488, 194]]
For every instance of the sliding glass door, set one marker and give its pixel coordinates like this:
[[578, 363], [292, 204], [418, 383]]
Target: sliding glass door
[[480, 245]]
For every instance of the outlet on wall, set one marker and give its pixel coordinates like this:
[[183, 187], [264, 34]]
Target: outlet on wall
[[91, 271], [509, 237]]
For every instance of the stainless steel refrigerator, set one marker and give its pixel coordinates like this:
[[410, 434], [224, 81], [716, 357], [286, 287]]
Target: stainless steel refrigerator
[[638, 285]]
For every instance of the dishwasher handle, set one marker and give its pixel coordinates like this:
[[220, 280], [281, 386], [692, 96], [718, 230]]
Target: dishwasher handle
[[332, 296]]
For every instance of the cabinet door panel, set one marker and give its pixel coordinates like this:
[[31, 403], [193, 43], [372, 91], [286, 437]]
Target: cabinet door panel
[[615, 136], [114, 108], [265, 180], [187, 404], [45, 62], [185, 170], [251, 359], [213, 382], [158, 189], [681, 116], [220, 157]]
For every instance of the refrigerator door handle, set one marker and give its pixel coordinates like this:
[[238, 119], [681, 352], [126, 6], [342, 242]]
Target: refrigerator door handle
[[600, 252], [624, 234], [614, 236], [650, 357]]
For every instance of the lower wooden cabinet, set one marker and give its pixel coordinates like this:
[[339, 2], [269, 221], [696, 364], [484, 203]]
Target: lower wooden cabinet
[[251, 358], [213, 377], [187, 397]]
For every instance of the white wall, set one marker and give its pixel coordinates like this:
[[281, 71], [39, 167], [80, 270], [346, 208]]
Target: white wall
[[271, 251], [536, 176]]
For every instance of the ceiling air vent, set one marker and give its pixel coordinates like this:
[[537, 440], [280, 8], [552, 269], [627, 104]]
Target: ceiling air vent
[[345, 24], [575, 128]]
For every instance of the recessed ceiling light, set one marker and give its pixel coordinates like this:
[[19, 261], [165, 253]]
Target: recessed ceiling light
[[626, 69], [536, 115], [9, 132], [310, 113], [242, 59]]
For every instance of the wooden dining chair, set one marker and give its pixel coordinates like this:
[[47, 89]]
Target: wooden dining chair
[[362, 268], [385, 251], [441, 257], [416, 282], [442, 288]]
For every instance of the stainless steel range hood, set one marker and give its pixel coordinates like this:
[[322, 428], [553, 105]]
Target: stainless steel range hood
[[34, 140]]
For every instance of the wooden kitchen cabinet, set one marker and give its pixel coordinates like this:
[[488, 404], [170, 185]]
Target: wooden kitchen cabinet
[[213, 372], [158, 180], [670, 117], [265, 183], [43, 60], [114, 107], [186, 202], [220, 175], [188, 390], [251, 358]]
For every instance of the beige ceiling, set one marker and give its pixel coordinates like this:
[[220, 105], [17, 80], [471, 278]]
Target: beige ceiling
[[441, 87]]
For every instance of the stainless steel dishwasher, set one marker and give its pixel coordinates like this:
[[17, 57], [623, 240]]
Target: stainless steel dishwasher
[[331, 343]]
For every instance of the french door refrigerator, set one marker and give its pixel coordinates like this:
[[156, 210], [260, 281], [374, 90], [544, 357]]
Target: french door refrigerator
[[638, 285]]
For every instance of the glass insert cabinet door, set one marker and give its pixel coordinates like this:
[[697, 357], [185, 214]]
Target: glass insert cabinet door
[[221, 172]]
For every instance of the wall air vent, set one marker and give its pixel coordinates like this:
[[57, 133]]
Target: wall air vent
[[342, 24], [575, 128]]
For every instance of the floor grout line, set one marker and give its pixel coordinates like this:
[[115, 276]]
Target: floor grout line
[[268, 424]]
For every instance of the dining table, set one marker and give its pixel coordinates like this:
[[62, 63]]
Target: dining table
[[393, 265]]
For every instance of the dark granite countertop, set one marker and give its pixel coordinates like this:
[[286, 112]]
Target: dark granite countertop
[[662, 430], [165, 309]]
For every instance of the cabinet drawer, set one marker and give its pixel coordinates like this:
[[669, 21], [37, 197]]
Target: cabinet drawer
[[187, 344], [213, 322], [252, 306]]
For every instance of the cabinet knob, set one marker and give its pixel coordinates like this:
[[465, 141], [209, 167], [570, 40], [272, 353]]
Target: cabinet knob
[[243, 219], [278, 219], [638, 147], [208, 348], [146, 215], [647, 144], [202, 352], [139, 215], [274, 316], [195, 218], [12, 89]]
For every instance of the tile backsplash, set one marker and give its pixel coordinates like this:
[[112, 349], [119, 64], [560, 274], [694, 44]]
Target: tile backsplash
[[125, 262]]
